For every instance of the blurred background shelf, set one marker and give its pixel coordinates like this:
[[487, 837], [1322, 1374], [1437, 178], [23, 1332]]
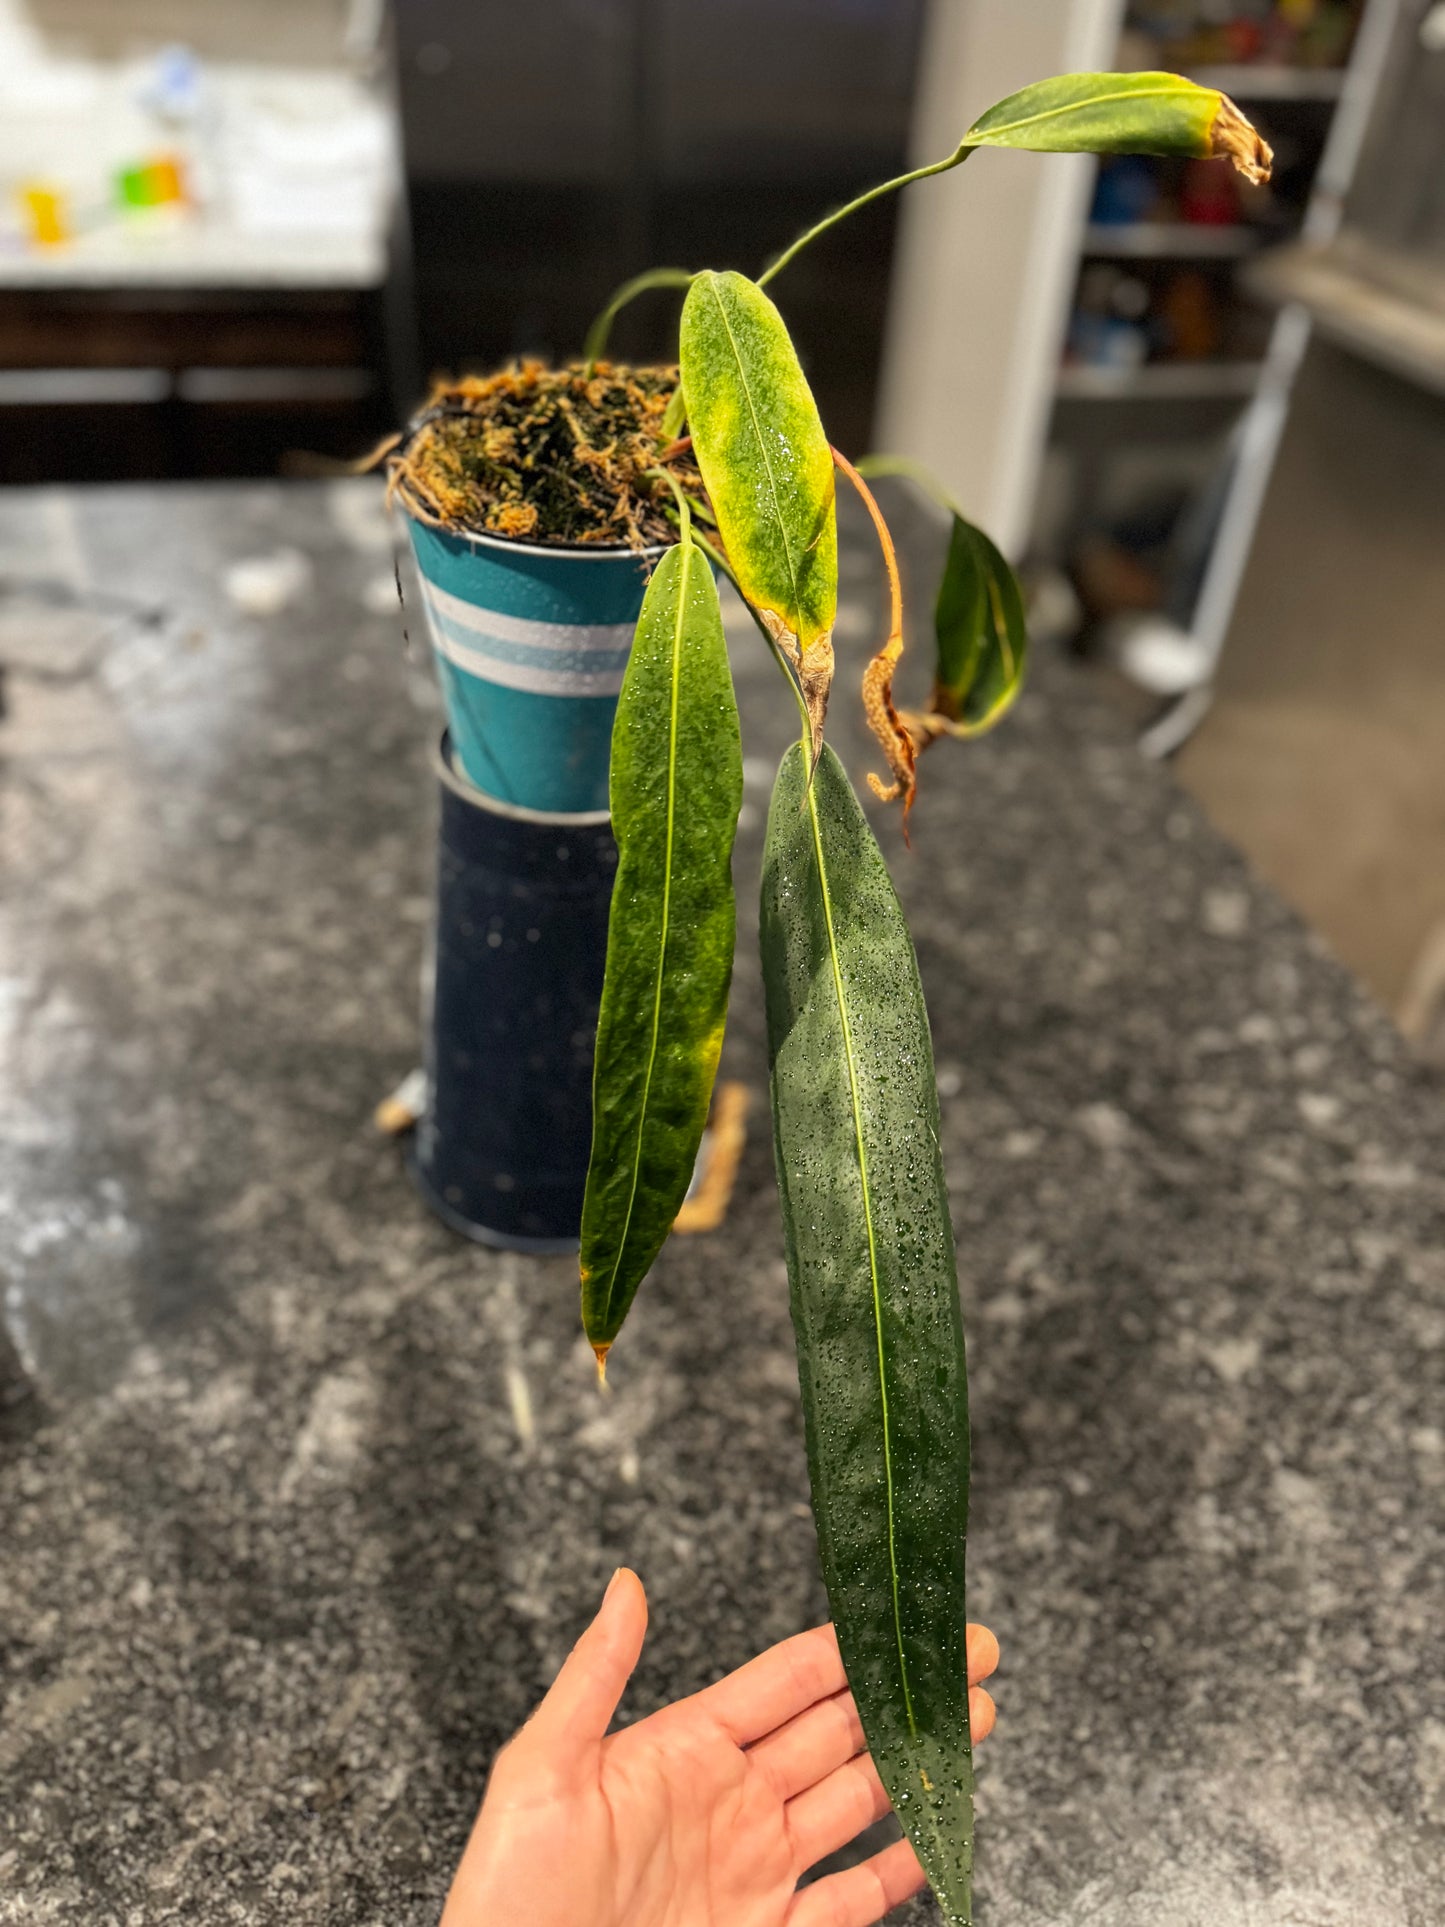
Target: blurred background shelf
[[1172, 240], [1268, 82], [1137, 509], [1164, 381], [210, 254]]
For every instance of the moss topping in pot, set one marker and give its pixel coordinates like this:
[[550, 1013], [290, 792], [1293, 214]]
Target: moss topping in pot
[[547, 455]]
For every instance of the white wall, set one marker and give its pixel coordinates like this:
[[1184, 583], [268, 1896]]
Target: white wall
[[987, 257], [283, 32]]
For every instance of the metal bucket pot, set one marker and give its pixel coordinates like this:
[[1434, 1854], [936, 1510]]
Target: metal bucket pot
[[520, 941], [530, 647], [531, 644]]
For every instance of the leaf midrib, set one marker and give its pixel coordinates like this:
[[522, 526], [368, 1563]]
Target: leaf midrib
[[797, 608], [684, 563], [857, 1110], [1073, 107]]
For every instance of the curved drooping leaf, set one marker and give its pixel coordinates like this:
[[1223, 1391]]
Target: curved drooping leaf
[[874, 1299], [676, 788], [1150, 113], [982, 639], [978, 620], [768, 469]]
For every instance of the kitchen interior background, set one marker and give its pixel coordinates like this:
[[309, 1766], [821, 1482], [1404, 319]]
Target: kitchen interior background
[[1208, 420]]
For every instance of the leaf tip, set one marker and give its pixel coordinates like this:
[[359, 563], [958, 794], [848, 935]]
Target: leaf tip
[[1235, 138], [600, 1352]]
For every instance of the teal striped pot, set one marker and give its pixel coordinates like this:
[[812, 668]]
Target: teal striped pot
[[530, 647]]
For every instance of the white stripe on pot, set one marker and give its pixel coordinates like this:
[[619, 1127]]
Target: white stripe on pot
[[464, 646], [540, 677], [494, 626]]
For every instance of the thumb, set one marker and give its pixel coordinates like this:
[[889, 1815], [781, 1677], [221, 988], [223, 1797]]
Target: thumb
[[584, 1695]]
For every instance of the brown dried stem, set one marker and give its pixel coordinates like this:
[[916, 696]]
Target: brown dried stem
[[883, 718]]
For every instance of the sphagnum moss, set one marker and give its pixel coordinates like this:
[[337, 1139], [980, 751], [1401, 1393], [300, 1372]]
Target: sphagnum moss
[[547, 455]]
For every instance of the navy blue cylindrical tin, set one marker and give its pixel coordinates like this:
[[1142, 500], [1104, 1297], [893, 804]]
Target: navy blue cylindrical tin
[[521, 940]]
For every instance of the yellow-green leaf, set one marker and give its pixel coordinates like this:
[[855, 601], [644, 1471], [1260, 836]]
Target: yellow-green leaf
[[676, 788], [768, 470], [1151, 113]]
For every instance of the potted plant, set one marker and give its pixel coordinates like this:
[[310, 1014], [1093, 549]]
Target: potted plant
[[740, 466], [534, 521]]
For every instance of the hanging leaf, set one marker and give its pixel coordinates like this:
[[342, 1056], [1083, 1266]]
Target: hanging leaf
[[874, 1299], [978, 620], [982, 640], [769, 472], [676, 788], [1087, 114], [1123, 114]]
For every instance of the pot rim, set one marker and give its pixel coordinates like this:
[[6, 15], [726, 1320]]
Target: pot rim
[[590, 552], [461, 785]]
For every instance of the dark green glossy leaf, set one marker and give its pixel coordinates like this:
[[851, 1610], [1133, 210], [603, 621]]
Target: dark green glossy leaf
[[982, 639], [676, 788], [768, 469], [874, 1299], [1150, 113]]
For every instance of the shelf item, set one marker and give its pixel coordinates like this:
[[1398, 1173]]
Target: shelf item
[[1160, 381], [1388, 309], [202, 254], [1265, 82], [1172, 240]]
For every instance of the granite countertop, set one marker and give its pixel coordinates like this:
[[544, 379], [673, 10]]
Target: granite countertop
[[302, 1499]]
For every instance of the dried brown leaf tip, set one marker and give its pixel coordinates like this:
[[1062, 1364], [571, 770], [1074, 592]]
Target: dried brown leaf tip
[[813, 668], [1233, 138]]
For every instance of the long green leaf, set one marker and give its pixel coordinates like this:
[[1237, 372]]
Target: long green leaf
[[1150, 113], [768, 469], [874, 1299], [676, 788]]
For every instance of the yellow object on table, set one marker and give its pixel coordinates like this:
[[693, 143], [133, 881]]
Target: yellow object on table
[[46, 213]]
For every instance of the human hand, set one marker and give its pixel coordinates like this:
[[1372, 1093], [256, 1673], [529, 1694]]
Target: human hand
[[704, 1814]]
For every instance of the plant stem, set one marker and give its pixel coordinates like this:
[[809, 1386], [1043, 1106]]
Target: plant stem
[[597, 334], [885, 542], [684, 509], [711, 549], [915, 472], [676, 415], [955, 159], [883, 718]]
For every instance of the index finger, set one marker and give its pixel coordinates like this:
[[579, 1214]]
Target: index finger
[[798, 1672], [776, 1686], [982, 1654]]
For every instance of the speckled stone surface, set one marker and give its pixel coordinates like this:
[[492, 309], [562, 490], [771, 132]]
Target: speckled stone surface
[[302, 1500]]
